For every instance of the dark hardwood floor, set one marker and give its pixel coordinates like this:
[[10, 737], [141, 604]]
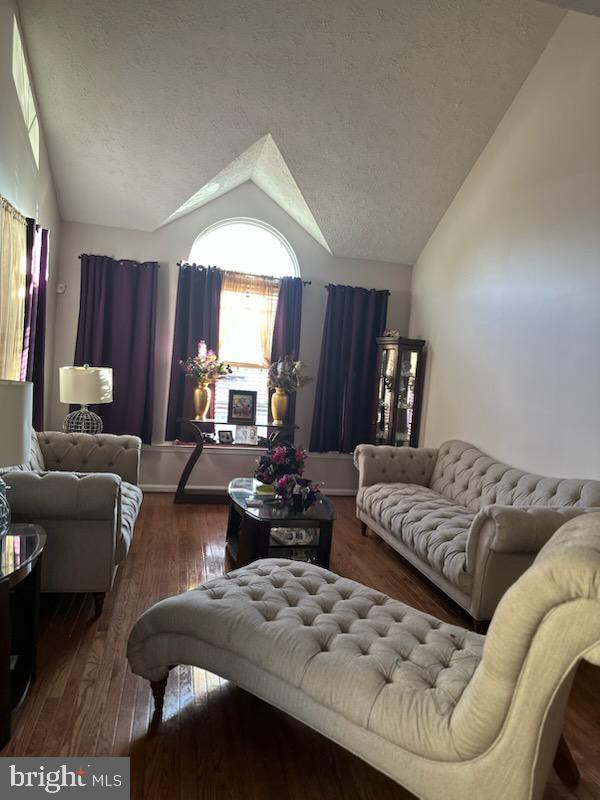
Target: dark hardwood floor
[[216, 741]]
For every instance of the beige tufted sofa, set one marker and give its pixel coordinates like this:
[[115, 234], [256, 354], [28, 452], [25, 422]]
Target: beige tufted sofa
[[469, 523], [83, 491], [445, 712]]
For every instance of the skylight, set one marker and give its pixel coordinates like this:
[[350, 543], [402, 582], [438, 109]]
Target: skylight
[[24, 93], [245, 245]]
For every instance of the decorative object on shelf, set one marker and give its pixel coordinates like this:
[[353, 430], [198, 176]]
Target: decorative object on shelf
[[16, 402], [242, 407], [285, 376], [206, 369], [296, 492], [246, 434], [295, 536], [225, 437], [85, 385], [399, 390], [285, 459], [392, 333]]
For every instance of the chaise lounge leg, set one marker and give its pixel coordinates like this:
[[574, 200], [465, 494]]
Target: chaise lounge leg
[[363, 528], [98, 603], [158, 692], [564, 764]]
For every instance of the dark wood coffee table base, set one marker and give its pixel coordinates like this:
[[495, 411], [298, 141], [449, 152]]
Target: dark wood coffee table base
[[249, 539]]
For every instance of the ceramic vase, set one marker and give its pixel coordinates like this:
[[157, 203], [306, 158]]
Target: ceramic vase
[[279, 406], [202, 395]]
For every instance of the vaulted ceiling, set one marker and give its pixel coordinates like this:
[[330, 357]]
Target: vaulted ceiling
[[373, 112]]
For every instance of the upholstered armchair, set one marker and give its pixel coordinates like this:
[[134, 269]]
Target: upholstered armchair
[[83, 491]]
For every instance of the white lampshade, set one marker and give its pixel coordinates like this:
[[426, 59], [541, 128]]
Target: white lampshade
[[85, 385], [16, 404]]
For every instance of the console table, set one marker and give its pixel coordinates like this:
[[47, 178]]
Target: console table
[[20, 569], [200, 428]]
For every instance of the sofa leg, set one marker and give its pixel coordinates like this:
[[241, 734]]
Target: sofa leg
[[564, 764], [98, 603], [363, 528]]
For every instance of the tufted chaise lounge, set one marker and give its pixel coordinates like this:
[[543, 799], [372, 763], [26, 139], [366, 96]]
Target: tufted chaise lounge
[[83, 491], [469, 523], [445, 712]]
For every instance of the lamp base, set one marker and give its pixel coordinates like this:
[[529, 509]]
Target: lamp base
[[4, 510], [82, 421]]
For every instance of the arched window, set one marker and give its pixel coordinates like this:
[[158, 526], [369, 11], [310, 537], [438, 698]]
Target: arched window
[[245, 245], [254, 257]]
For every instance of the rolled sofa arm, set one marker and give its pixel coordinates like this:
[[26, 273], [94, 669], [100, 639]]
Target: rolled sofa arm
[[62, 495], [509, 529], [385, 464], [502, 544], [83, 452]]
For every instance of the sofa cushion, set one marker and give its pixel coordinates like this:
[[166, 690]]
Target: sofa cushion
[[36, 459], [471, 478], [387, 502], [131, 500], [433, 527]]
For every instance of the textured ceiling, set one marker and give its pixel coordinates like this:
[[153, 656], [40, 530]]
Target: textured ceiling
[[378, 108]]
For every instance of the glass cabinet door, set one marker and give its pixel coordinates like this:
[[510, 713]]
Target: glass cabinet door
[[405, 401], [385, 395]]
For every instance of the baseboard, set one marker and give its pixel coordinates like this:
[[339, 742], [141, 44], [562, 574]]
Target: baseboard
[[160, 487]]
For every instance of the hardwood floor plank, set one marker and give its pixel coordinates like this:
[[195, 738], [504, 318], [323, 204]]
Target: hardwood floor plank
[[217, 742]]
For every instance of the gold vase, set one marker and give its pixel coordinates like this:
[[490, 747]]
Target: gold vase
[[202, 395], [279, 406]]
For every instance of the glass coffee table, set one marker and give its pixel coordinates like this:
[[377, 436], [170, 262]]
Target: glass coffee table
[[268, 531]]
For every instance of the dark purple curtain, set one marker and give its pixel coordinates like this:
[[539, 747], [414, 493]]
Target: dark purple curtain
[[286, 330], [34, 329], [196, 318], [117, 322], [345, 384]]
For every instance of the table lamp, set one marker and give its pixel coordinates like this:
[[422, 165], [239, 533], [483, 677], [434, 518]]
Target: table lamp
[[85, 385], [16, 402]]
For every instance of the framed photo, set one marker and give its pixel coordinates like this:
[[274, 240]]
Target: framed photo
[[225, 437], [242, 407], [248, 434]]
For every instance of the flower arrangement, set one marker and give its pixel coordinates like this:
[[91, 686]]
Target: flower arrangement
[[205, 367], [285, 459], [296, 492], [287, 374]]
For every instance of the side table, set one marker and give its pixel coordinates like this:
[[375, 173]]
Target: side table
[[20, 570]]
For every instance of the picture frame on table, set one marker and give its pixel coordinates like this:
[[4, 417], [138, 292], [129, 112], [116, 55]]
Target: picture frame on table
[[225, 437], [242, 407], [246, 434]]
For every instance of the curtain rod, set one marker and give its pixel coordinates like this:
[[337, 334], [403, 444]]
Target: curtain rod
[[12, 210], [118, 260], [201, 266], [333, 285]]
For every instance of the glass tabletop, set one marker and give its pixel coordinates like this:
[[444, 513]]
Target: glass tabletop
[[241, 490], [19, 548]]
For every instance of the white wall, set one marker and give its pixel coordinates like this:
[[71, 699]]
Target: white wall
[[507, 291], [173, 243], [29, 189]]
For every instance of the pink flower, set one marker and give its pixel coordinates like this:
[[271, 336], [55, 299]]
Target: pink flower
[[283, 482], [300, 454], [279, 455]]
